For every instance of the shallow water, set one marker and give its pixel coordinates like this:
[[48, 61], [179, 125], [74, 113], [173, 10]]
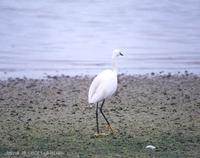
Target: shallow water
[[77, 37]]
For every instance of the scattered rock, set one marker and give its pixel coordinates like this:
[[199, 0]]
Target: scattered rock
[[150, 147]]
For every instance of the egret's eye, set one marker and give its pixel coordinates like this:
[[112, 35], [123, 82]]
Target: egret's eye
[[121, 54]]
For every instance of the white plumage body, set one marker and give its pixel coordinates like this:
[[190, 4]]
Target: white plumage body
[[103, 86]]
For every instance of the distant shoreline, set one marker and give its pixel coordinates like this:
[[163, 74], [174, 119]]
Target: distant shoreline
[[42, 75]]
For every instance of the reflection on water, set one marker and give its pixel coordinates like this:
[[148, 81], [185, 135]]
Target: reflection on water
[[77, 37]]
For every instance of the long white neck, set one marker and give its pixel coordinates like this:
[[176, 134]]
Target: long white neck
[[114, 64]]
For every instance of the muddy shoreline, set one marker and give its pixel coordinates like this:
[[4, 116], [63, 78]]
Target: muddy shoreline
[[53, 114]]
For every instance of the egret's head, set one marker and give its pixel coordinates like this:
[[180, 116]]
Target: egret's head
[[116, 53]]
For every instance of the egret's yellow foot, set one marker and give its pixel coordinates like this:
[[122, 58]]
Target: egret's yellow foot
[[100, 134], [111, 129]]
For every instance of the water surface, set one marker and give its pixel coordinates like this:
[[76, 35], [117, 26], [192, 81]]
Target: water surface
[[77, 37]]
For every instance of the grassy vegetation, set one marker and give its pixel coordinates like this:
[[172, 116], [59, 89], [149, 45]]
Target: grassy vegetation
[[117, 145]]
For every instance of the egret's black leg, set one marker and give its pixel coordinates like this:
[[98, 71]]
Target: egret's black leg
[[101, 110], [97, 109]]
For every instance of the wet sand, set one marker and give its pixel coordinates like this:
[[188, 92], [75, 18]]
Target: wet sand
[[51, 117]]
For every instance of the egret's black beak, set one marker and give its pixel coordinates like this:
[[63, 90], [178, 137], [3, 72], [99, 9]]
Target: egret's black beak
[[121, 54]]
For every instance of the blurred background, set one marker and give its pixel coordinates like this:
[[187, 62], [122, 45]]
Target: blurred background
[[76, 37]]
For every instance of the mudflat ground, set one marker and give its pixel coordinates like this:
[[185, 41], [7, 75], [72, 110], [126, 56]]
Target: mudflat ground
[[51, 118]]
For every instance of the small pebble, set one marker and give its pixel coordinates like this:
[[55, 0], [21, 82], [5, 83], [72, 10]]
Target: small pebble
[[150, 147]]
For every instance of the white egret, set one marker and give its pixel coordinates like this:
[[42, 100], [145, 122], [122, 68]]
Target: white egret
[[103, 86]]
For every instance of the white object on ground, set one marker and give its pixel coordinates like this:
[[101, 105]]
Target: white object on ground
[[150, 147]]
